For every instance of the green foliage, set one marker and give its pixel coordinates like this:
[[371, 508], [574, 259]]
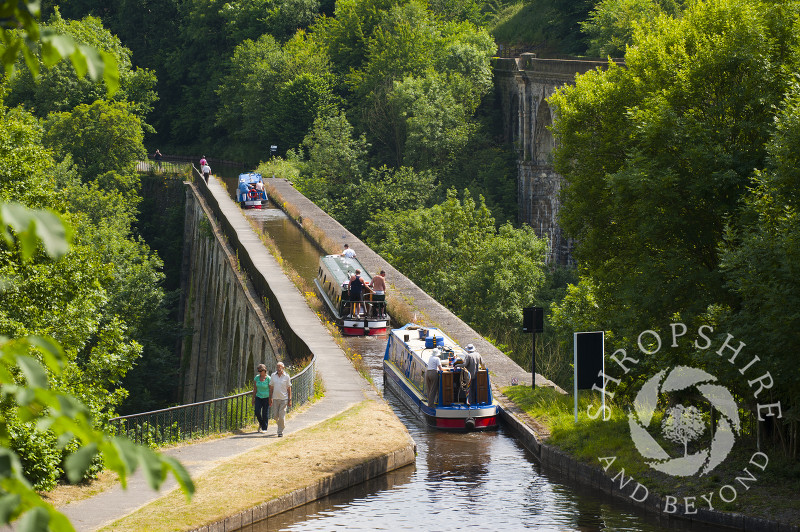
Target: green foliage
[[38, 454], [653, 166], [273, 93], [453, 252], [105, 141], [414, 80], [20, 34], [383, 189], [761, 254], [550, 26], [611, 23], [335, 158], [60, 88], [59, 418]]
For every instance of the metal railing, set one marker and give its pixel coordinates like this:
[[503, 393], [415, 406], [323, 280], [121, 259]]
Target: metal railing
[[186, 422], [168, 168]]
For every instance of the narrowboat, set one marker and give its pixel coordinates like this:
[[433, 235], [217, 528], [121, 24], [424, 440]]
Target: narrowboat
[[366, 317], [248, 196], [458, 406]]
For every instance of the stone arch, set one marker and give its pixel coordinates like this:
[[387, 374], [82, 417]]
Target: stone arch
[[543, 142]]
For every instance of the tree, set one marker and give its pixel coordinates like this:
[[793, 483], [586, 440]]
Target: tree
[[656, 157], [105, 141], [417, 80], [60, 88], [383, 189], [21, 34], [274, 92], [27, 396], [335, 158], [761, 256], [682, 425], [453, 252]]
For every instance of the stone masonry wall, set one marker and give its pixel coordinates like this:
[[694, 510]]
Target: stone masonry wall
[[229, 332]]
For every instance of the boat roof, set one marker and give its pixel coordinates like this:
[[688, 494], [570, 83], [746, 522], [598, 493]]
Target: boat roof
[[250, 177], [340, 268], [417, 344]]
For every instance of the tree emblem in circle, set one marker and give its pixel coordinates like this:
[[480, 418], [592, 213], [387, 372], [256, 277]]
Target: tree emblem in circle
[[682, 424]]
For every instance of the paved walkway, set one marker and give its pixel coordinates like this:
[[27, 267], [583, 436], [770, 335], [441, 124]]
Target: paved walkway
[[344, 387]]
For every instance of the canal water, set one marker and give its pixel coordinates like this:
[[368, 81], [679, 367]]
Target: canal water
[[473, 481]]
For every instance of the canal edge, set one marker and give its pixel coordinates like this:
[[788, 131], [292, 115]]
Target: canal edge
[[323, 487], [594, 477]]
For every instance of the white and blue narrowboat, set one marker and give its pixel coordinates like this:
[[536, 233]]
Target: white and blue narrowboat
[[247, 194], [365, 317], [459, 407]]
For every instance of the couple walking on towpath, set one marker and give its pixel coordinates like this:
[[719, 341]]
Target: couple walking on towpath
[[272, 391]]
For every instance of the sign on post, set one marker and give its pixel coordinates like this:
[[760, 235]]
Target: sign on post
[[533, 322], [589, 363]]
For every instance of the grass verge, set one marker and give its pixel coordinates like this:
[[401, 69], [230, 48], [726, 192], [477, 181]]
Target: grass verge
[[365, 431], [773, 495]]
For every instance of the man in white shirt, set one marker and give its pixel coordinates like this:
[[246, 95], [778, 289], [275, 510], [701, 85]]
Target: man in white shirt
[[349, 253], [280, 395], [432, 377]]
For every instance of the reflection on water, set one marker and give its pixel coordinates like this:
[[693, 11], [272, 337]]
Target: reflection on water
[[474, 481]]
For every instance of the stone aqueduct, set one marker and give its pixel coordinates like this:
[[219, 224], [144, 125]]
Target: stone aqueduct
[[231, 332], [523, 85]]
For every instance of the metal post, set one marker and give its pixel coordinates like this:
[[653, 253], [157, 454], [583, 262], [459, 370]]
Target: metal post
[[575, 370], [533, 361]]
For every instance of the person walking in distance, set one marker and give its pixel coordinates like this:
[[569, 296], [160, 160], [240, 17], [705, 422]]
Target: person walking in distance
[[206, 171], [280, 395], [261, 397]]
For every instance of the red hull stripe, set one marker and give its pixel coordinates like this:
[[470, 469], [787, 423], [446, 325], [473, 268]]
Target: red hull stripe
[[359, 331]]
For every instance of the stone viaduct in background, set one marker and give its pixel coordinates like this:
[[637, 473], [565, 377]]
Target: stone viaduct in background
[[523, 85]]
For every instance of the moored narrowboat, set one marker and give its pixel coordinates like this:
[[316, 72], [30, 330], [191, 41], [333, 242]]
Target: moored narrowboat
[[462, 404], [365, 317], [248, 193]]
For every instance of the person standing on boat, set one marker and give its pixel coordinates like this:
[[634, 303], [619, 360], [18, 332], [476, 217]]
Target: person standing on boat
[[472, 363], [357, 288], [280, 395], [260, 189], [432, 377], [349, 253], [378, 286], [261, 397]]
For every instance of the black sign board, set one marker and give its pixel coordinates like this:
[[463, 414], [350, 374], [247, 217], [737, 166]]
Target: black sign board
[[589, 359], [532, 320]]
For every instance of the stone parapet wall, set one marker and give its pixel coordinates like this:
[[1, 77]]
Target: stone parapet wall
[[229, 331]]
